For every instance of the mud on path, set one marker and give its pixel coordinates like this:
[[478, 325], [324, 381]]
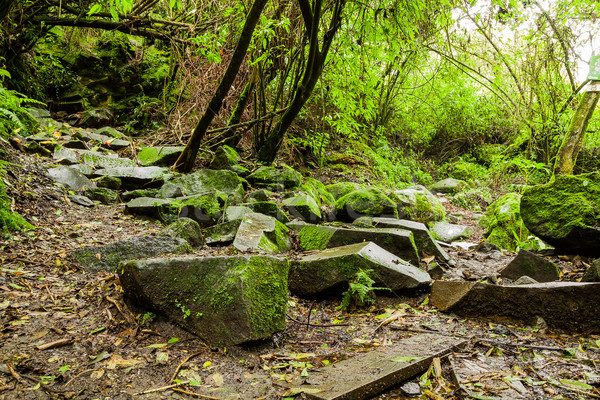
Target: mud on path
[[66, 333]]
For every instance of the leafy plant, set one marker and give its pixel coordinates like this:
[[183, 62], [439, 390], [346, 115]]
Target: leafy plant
[[361, 292]]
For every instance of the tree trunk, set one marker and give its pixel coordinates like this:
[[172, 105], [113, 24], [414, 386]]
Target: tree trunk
[[186, 160], [314, 67], [567, 154]]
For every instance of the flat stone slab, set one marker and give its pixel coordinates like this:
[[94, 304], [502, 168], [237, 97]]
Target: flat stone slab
[[531, 265], [71, 178], [451, 232], [330, 270], [398, 242], [258, 232], [224, 300], [423, 239], [371, 373], [137, 177], [493, 372], [97, 160], [571, 306], [108, 257], [222, 234], [65, 156]]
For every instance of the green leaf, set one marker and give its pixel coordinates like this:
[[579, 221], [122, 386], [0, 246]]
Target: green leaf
[[407, 359], [578, 384], [96, 8], [174, 340]]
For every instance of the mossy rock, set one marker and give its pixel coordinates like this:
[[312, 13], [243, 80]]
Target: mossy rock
[[160, 156], [340, 189], [448, 186], [109, 182], [304, 207], [318, 191], [467, 171], [205, 208], [208, 180], [259, 232], [272, 177], [227, 158], [365, 202], [418, 204], [224, 300], [503, 224], [187, 229], [103, 195], [134, 194], [269, 208], [565, 213]]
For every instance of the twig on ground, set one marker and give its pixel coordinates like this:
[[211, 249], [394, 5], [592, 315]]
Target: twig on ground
[[56, 343], [81, 373], [316, 325], [14, 373], [162, 388], [183, 362], [202, 396]]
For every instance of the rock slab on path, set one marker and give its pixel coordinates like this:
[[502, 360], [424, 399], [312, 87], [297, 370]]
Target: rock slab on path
[[370, 373], [528, 264], [225, 300], [571, 306], [108, 257], [71, 178], [330, 270]]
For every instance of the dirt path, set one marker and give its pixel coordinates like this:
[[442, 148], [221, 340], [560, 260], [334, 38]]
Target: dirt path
[[66, 333]]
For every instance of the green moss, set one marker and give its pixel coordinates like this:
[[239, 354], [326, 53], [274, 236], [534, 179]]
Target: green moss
[[419, 205], [266, 287], [318, 191], [364, 202], [159, 155], [340, 189], [315, 237], [267, 176], [568, 202], [279, 237], [503, 224]]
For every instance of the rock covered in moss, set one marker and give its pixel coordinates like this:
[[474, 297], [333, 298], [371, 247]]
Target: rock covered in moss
[[261, 195], [109, 182], [317, 190], [108, 257], [224, 300], [340, 189], [98, 160], [503, 224], [103, 195], [134, 194], [329, 271], [222, 234], [208, 180], [205, 208], [566, 213], [236, 212], [271, 209], [448, 186], [593, 273], [418, 204], [449, 233], [271, 177], [227, 158], [303, 207], [258, 232], [364, 202], [396, 241], [186, 229], [162, 156]]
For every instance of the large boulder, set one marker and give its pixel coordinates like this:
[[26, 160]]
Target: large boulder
[[364, 202], [449, 233], [274, 178], [208, 180], [329, 271], [565, 213], [224, 300], [227, 158], [418, 204], [187, 229], [108, 257], [503, 224], [448, 186], [571, 306], [258, 232], [398, 242]]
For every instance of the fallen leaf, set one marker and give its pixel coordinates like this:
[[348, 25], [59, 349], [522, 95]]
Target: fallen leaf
[[217, 379]]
